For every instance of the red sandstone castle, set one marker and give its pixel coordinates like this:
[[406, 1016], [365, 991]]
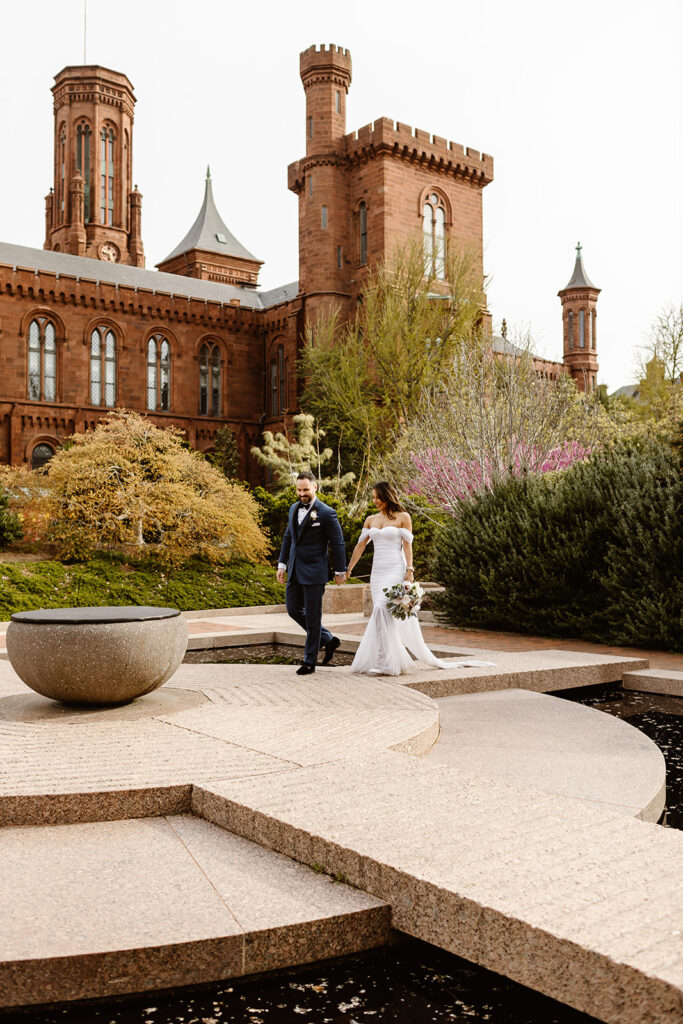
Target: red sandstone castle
[[84, 327]]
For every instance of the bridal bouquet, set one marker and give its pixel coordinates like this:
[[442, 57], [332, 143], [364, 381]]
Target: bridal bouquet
[[403, 599]]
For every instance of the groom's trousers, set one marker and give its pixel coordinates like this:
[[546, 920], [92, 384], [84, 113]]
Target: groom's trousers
[[305, 606]]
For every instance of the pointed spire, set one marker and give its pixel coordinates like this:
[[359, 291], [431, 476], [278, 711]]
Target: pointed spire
[[579, 278], [209, 233]]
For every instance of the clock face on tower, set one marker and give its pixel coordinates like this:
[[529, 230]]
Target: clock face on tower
[[109, 252]]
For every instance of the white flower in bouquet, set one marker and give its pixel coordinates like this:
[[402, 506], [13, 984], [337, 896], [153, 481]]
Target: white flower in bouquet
[[403, 599]]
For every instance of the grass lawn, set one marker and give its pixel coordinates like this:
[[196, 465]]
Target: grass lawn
[[113, 581]]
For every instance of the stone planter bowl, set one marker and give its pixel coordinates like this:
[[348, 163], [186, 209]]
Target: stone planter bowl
[[96, 656]]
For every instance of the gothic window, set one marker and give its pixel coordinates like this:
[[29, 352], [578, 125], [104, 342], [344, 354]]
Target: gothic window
[[209, 380], [103, 367], [363, 233], [83, 136], [582, 329], [158, 374], [41, 454], [61, 176], [434, 234], [107, 176], [42, 360], [570, 328]]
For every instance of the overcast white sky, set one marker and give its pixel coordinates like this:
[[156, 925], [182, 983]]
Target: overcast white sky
[[579, 103]]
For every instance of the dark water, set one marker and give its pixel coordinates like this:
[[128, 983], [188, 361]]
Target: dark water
[[407, 983], [257, 654]]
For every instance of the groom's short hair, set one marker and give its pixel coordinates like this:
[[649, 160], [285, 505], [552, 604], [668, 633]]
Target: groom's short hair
[[306, 474]]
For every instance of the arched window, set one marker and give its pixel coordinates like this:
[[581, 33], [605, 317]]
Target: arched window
[[582, 329], [103, 367], [107, 176], [83, 136], [570, 328], [363, 233], [434, 234], [158, 373], [42, 360], [209, 380], [61, 176], [41, 454]]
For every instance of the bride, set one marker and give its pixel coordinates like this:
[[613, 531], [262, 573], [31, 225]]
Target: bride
[[387, 643]]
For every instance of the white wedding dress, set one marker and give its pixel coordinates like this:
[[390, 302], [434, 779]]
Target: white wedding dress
[[387, 643]]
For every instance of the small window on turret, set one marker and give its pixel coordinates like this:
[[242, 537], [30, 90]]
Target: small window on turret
[[337, 102], [339, 256], [310, 184], [310, 127], [323, 217]]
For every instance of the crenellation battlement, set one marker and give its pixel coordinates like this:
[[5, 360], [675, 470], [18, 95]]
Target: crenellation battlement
[[403, 138], [325, 60]]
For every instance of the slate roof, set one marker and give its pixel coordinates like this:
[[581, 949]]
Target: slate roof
[[579, 278], [81, 267], [209, 233]]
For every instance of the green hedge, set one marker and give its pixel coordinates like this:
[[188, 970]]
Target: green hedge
[[275, 509], [593, 552], [110, 580]]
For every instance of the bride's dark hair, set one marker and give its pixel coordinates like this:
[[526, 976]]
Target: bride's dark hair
[[386, 492]]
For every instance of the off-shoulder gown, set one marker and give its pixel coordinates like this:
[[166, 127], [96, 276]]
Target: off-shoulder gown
[[388, 643]]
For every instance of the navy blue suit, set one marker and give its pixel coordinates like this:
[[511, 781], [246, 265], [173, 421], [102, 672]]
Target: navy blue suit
[[305, 553]]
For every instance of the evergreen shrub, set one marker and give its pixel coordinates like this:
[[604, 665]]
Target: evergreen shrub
[[594, 551]]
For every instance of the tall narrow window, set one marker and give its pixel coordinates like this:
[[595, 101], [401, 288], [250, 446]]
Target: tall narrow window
[[103, 367], [152, 376], [310, 184], [158, 373], [593, 329], [42, 360], [434, 234], [337, 102], [582, 329], [363, 233], [209, 380], [323, 217], [83, 136], [61, 177], [107, 176], [310, 127], [281, 372], [339, 257], [570, 328]]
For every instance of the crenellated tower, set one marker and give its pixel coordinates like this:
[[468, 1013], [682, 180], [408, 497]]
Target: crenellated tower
[[320, 179], [93, 209], [579, 315]]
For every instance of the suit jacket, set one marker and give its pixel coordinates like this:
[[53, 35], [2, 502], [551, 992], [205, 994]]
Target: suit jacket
[[304, 549]]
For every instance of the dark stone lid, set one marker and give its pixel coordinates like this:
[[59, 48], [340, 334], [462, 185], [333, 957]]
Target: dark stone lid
[[93, 616]]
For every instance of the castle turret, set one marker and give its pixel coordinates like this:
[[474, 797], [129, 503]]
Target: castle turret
[[320, 179], [579, 299], [93, 109]]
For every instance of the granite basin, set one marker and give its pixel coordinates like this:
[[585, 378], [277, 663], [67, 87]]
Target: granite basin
[[96, 656]]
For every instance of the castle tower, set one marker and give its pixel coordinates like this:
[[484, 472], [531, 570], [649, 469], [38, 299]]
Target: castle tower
[[579, 315], [320, 179], [92, 209], [210, 251]]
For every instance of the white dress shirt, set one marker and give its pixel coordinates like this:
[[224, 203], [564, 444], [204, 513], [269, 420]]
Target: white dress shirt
[[302, 513]]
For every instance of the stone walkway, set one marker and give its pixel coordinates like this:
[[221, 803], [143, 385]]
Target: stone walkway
[[515, 840]]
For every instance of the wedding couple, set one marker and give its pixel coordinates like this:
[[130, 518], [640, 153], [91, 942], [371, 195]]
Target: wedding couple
[[313, 528]]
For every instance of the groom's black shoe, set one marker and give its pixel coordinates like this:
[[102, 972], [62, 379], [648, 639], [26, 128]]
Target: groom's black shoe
[[330, 648], [305, 669]]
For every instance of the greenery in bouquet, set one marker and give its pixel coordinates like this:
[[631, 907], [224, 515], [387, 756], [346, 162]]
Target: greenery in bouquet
[[404, 599]]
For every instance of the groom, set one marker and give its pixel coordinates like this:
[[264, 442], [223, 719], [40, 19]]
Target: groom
[[312, 527]]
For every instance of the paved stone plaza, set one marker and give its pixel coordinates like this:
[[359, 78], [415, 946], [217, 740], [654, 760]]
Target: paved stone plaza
[[195, 833]]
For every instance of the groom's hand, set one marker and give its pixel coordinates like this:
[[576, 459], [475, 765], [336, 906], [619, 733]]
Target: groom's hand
[[339, 578], [281, 575]]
